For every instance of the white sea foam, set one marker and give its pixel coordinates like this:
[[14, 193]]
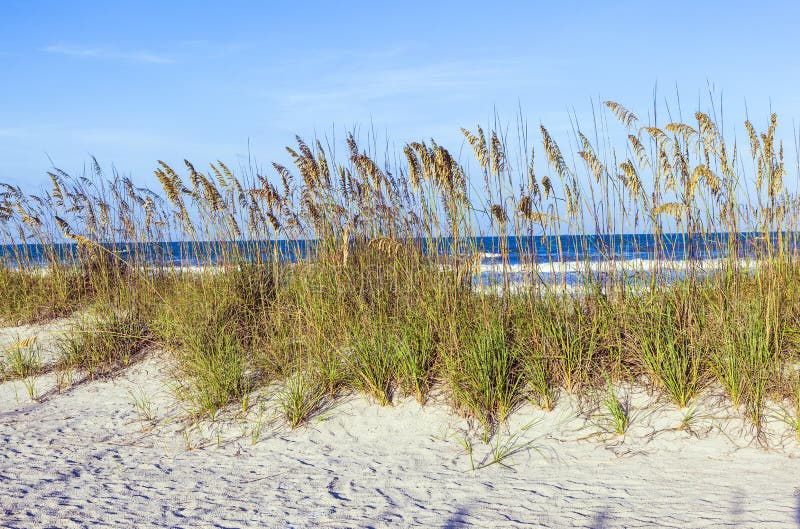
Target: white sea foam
[[615, 266]]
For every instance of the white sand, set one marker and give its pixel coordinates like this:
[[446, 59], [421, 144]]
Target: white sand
[[81, 458], [46, 338]]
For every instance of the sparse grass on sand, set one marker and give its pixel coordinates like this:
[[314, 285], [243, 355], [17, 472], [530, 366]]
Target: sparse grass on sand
[[326, 278]]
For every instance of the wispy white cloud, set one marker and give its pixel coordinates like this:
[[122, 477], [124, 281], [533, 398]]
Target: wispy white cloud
[[25, 132], [207, 49], [406, 89], [374, 81], [70, 133], [88, 52]]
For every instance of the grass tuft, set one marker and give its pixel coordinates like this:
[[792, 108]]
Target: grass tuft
[[101, 345], [484, 375], [300, 399]]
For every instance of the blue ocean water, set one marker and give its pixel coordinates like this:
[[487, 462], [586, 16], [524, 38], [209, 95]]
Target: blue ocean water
[[524, 249], [669, 246], [529, 259]]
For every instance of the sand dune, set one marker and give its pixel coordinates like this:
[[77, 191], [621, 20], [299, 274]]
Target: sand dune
[[81, 458]]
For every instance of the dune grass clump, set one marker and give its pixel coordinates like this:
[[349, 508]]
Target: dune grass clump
[[103, 344], [748, 366], [213, 373], [355, 271], [373, 360], [416, 357], [670, 354], [32, 296], [573, 331], [300, 399], [484, 375], [20, 359], [212, 324], [617, 412]]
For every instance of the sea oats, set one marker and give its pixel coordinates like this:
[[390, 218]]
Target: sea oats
[[554, 155], [414, 169], [547, 186], [639, 151], [681, 129], [595, 165], [498, 155], [655, 133], [666, 169], [625, 116], [478, 144], [755, 144], [499, 213], [632, 180], [670, 208]]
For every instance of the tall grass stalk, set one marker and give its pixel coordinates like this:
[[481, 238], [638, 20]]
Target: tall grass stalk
[[347, 269]]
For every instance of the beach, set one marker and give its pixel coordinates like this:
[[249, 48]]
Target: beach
[[86, 455], [399, 265]]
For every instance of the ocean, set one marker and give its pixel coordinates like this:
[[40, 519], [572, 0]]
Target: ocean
[[566, 256]]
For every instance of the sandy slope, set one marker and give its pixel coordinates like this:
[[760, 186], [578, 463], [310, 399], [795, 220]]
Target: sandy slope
[[80, 458], [45, 335]]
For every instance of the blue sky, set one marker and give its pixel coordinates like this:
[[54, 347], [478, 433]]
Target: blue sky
[[133, 82]]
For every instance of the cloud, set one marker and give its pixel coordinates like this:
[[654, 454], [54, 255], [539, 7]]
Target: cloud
[[63, 133], [140, 56], [206, 49], [432, 81]]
